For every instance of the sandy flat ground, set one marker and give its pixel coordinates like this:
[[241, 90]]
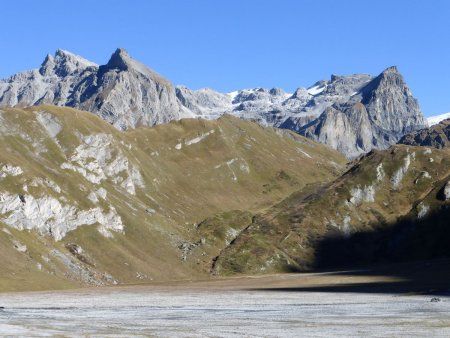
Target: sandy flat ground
[[346, 303]]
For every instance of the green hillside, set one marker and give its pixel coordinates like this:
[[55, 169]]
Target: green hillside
[[82, 203], [390, 205]]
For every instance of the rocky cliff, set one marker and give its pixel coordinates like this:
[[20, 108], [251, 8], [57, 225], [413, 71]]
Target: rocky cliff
[[353, 114], [376, 115], [437, 136], [123, 92]]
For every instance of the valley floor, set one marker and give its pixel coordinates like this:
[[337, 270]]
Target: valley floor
[[397, 300]]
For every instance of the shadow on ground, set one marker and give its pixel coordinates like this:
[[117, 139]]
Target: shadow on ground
[[411, 256]]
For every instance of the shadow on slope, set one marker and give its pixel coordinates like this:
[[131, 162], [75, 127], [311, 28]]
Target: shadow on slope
[[407, 257]]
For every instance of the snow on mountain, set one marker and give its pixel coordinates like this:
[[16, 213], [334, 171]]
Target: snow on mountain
[[128, 94], [432, 120]]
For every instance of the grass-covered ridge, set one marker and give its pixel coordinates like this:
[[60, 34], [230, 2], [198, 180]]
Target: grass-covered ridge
[[380, 207], [182, 191]]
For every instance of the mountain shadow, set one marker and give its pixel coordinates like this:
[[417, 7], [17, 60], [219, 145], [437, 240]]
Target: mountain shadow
[[411, 256]]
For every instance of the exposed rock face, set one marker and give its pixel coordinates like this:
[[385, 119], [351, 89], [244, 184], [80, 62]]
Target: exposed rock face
[[437, 136], [205, 103], [123, 92], [376, 115], [352, 114], [49, 217], [345, 128]]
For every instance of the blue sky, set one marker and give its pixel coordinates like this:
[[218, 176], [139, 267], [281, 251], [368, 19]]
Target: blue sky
[[233, 44]]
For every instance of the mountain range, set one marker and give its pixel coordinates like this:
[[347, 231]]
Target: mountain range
[[155, 182], [352, 114]]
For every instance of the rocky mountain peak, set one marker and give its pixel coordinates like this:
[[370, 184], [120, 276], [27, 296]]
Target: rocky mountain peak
[[391, 70], [277, 92], [300, 93], [64, 63], [120, 60], [48, 65], [127, 94], [390, 78]]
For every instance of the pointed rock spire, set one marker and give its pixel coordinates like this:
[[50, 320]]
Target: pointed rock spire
[[392, 69], [47, 65], [120, 60]]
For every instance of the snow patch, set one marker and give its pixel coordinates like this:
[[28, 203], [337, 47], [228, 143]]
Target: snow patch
[[438, 118], [316, 90]]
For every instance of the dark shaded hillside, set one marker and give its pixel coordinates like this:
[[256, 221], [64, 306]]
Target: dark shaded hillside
[[365, 216], [409, 239], [437, 136]]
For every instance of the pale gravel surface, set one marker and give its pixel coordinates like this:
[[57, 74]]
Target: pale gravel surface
[[221, 313]]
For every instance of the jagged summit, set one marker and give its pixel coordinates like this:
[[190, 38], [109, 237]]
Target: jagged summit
[[119, 60], [122, 61], [391, 69], [128, 94], [124, 92], [64, 63]]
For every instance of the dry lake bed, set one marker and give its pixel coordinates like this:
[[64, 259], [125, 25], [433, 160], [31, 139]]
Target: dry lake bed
[[317, 305]]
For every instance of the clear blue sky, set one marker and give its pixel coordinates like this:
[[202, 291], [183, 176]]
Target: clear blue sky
[[233, 44]]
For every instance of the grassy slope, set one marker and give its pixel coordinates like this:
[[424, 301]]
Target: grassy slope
[[286, 237], [241, 166]]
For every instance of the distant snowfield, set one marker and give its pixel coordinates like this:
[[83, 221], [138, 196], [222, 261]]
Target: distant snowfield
[[432, 120], [221, 313]]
